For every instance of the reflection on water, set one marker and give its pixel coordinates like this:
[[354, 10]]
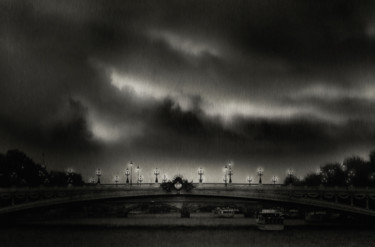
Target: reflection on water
[[66, 237], [149, 232]]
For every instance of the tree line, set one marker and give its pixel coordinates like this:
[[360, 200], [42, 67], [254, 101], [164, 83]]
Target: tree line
[[354, 171], [18, 170]]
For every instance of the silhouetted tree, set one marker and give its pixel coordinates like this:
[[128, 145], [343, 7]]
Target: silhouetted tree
[[312, 179], [77, 179], [292, 179], [16, 169], [332, 175], [58, 178], [372, 160], [20, 170], [357, 171], [4, 178]]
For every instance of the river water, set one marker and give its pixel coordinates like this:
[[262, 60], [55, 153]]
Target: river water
[[176, 232], [92, 237]]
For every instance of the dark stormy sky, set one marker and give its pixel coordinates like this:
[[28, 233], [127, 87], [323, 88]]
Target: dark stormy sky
[[183, 84]]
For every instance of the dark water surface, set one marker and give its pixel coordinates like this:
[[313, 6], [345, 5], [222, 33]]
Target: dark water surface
[[56, 236]]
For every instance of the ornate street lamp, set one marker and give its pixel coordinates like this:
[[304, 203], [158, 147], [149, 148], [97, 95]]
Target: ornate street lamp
[[98, 174], [164, 180], [249, 179], [69, 172], [200, 173], [230, 172], [372, 178], [131, 173], [260, 174], [274, 179], [41, 175], [127, 173], [225, 179], [156, 173], [117, 179], [225, 175], [324, 179], [92, 180], [319, 171], [290, 174], [137, 170], [351, 175], [140, 179], [343, 166]]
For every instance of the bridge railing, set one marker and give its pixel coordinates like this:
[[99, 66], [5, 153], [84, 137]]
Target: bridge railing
[[199, 186]]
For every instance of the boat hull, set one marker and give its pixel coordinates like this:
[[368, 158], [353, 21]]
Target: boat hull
[[270, 220], [270, 227], [226, 215]]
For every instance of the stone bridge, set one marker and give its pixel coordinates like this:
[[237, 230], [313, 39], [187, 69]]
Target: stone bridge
[[351, 200]]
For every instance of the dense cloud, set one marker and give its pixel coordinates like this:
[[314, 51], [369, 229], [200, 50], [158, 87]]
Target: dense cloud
[[183, 84]]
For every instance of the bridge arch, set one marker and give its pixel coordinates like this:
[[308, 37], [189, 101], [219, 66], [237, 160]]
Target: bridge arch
[[311, 197]]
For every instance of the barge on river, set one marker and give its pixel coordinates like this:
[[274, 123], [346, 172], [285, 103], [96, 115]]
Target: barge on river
[[271, 220]]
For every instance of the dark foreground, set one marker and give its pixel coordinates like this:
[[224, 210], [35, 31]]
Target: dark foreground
[[170, 230], [181, 236]]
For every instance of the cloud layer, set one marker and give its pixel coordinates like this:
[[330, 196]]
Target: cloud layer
[[183, 84]]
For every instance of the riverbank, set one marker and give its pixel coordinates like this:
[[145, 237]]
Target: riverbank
[[201, 220], [47, 236]]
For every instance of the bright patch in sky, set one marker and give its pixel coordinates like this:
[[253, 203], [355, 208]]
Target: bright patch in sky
[[228, 110], [147, 90], [110, 131], [331, 92], [185, 44], [141, 87], [104, 132], [223, 108]]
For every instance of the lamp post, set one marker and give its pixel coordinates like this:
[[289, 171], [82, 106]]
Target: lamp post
[[91, 180], [164, 180], [127, 172], [260, 174], [156, 173], [140, 179], [319, 171], [372, 178], [343, 166], [225, 175], [200, 173], [98, 174], [290, 174], [225, 180], [116, 179], [274, 179], [70, 171], [230, 172], [324, 179], [137, 170], [249, 179], [351, 175], [131, 172]]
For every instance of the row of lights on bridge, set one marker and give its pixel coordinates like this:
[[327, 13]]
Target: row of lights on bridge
[[228, 173]]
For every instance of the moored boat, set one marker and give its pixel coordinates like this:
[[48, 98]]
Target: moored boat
[[271, 220], [226, 212]]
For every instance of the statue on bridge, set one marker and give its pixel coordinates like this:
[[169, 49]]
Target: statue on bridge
[[178, 183]]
